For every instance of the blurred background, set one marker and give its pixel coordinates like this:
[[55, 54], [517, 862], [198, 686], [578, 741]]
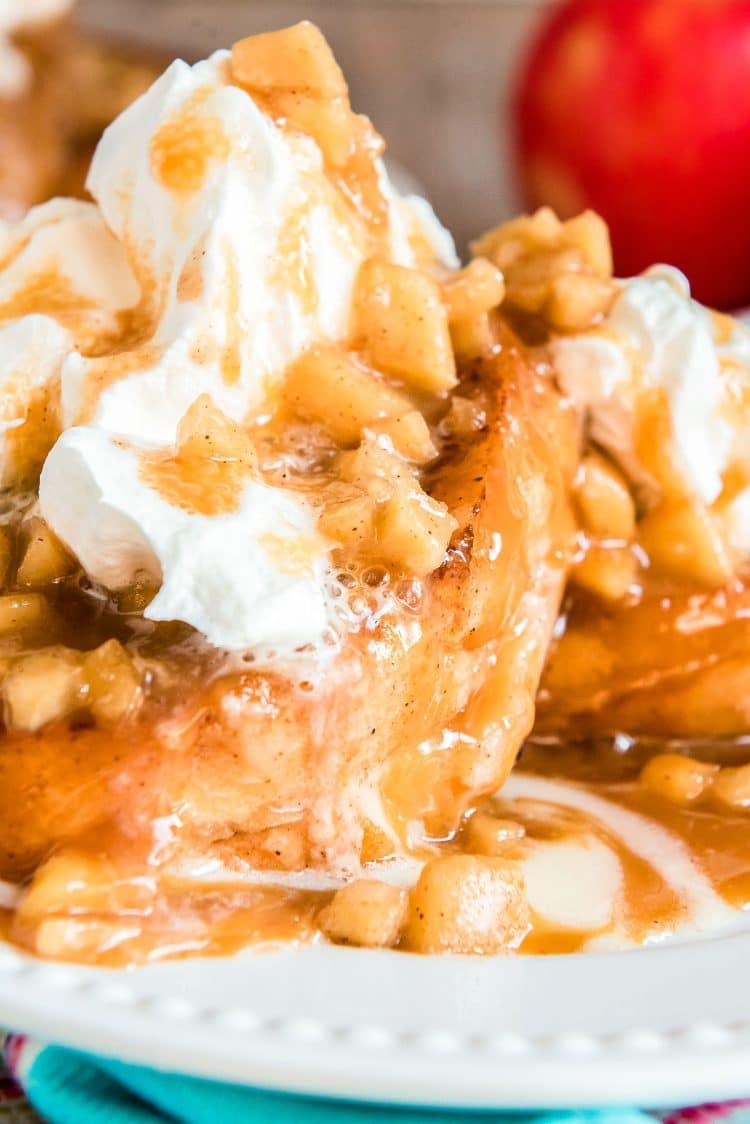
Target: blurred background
[[637, 108]]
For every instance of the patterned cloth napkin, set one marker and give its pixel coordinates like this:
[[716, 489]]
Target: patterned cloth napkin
[[60, 1086]]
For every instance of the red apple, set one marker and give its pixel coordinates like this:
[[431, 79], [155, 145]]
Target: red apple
[[641, 110]]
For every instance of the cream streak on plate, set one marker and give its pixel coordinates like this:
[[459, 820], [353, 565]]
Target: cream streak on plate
[[218, 259]]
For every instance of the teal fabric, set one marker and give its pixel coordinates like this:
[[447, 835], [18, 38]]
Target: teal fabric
[[67, 1087]]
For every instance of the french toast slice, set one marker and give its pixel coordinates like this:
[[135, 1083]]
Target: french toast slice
[[667, 667], [420, 713]]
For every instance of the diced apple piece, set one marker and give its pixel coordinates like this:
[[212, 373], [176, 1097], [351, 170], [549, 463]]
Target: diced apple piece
[[113, 682], [42, 687], [530, 279], [409, 435], [604, 501], [684, 540], [465, 416], [350, 522], [365, 913], [331, 124], [402, 325], [413, 531], [295, 74], [330, 387], [68, 880], [473, 338], [608, 572], [295, 58], [206, 431], [680, 779], [73, 881], [543, 231], [589, 234], [486, 834], [576, 301], [467, 904], [525, 234], [26, 615], [473, 290], [374, 469], [45, 559], [732, 787], [560, 271]]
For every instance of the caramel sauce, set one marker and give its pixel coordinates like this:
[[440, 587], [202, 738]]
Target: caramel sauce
[[14, 252], [231, 355], [190, 282], [106, 370], [647, 903], [357, 180], [294, 268], [204, 351], [546, 941], [127, 346], [352, 171], [718, 838], [183, 919], [198, 485], [187, 146], [47, 293], [27, 445]]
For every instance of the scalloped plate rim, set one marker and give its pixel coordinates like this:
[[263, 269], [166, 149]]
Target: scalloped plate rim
[[660, 1025]]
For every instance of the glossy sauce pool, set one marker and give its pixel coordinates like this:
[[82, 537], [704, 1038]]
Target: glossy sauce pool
[[608, 864]]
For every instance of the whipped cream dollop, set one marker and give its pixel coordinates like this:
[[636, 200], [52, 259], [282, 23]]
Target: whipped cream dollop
[[124, 526], [217, 250], [21, 15], [655, 338]]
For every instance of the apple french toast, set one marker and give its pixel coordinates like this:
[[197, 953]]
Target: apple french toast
[[290, 501]]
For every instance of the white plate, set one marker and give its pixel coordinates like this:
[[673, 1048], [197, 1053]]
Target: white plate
[[656, 1026]]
